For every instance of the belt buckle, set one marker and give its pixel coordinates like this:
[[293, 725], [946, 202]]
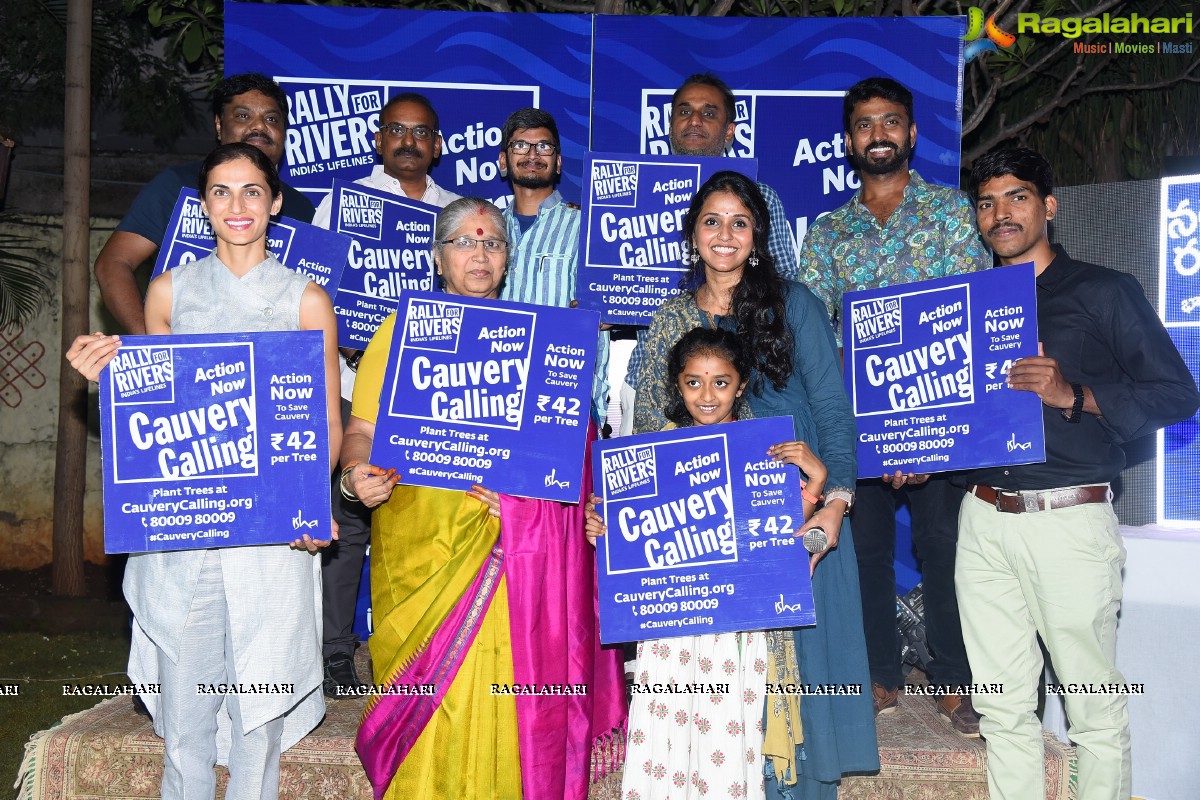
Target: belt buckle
[[1030, 501]]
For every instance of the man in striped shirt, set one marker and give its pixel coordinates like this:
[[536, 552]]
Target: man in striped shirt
[[543, 229]]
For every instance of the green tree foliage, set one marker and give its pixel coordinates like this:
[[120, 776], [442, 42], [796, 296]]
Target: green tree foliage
[[24, 287], [1098, 117], [148, 91], [195, 29]]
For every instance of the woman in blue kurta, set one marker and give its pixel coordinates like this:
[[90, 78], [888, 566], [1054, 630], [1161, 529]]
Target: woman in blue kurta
[[797, 374]]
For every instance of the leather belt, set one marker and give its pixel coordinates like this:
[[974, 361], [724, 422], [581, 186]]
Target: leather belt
[[1021, 502]]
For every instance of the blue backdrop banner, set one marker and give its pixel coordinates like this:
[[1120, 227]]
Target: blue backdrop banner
[[487, 392], [391, 251], [340, 66], [304, 248], [788, 77], [631, 245], [700, 533], [1179, 305], [186, 465], [925, 365]]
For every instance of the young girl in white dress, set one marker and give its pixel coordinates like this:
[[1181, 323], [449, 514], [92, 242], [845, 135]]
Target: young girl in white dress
[[711, 743]]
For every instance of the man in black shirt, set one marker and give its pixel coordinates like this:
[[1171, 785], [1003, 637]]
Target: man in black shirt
[[1039, 549], [248, 108]]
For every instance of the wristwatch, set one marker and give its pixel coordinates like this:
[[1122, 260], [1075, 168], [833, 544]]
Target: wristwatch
[[840, 494], [1076, 412]]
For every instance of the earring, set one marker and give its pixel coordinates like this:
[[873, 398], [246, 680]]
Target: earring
[[753, 259]]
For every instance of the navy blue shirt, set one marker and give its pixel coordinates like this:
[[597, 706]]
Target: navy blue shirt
[[1104, 334], [151, 210]]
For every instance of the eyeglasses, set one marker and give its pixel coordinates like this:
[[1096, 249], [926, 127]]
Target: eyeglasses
[[468, 243], [521, 147], [419, 132]]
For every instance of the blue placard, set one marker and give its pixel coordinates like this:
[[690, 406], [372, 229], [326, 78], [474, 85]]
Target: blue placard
[[186, 465], [1179, 305], [303, 248], [1179, 458], [700, 533], [391, 251], [487, 392], [339, 66], [1180, 248], [631, 245], [788, 77], [925, 365]]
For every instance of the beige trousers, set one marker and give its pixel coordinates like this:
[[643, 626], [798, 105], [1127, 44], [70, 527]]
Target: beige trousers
[[1056, 574]]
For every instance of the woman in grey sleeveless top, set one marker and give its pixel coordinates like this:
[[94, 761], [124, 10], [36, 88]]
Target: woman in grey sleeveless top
[[237, 615]]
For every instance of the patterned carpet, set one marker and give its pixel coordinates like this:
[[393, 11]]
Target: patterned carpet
[[112, 753], [922, 758]]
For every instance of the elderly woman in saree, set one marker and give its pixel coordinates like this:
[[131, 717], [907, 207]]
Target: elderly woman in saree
[[473, 591], [732, 284]]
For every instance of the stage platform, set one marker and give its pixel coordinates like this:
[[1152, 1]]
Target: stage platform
[[112, 753]]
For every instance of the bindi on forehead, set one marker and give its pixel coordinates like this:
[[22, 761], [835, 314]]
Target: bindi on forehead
[[479, 231]]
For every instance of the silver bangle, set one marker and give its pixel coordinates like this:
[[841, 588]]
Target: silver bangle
[[840, 494]]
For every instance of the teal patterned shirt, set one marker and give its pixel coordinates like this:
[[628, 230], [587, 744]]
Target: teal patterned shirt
[[931, 234]]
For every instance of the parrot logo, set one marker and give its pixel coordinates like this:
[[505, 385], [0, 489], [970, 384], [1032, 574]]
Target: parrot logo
[[994, 39]]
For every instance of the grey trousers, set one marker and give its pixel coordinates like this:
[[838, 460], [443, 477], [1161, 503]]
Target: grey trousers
[[189, 717]]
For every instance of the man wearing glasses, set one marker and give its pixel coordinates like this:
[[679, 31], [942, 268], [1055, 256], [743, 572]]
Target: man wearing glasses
[[407, 143], [543, 229], [249, 108]]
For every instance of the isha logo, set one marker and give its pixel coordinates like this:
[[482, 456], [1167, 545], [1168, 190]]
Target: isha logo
[[995, 37], [1013, 444]]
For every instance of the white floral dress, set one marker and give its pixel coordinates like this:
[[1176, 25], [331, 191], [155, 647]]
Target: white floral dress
[[703, 737]]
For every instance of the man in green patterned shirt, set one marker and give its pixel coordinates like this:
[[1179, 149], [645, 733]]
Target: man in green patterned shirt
[[898, 229]]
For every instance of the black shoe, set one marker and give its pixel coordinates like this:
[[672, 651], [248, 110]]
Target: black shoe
[[139, 707], [341, 679]]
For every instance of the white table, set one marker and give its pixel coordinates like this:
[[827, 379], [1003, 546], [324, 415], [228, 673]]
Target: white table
[[1158, 644]]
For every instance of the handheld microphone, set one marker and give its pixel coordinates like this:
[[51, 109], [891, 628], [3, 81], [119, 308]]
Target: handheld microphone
[[815, 540]]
